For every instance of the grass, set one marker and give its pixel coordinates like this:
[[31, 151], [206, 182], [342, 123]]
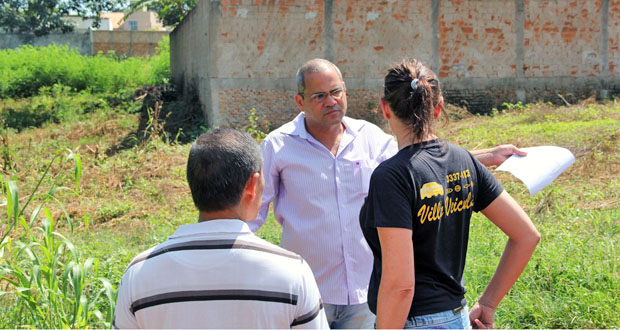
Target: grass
[[133, 195], [573, 279]]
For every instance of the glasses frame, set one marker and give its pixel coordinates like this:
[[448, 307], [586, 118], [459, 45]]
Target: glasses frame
[[320, 97]]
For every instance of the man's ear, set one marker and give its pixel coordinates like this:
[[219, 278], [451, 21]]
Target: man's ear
[[385, 109], [249, 191], [299, 101]]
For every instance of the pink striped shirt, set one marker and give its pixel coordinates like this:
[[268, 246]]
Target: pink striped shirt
[[317, 198]]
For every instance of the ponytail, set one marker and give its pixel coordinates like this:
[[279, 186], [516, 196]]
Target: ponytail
[[412, 92]]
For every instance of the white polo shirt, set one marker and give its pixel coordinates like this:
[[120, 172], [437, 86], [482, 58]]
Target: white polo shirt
[[217, 274]]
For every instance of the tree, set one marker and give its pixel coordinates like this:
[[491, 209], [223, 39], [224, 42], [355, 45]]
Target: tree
[[170, 12], [45, 16]]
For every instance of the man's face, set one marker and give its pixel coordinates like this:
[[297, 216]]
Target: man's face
[[324, 101]]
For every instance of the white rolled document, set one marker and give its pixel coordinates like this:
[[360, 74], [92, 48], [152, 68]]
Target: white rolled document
[[540, 167]]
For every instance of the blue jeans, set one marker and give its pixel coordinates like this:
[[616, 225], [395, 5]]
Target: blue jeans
[[349, 316], [451, 319]]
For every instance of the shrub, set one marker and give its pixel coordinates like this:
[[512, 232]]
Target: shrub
[[25, 70]]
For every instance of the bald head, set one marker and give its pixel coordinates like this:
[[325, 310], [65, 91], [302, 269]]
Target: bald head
[[311, 66]]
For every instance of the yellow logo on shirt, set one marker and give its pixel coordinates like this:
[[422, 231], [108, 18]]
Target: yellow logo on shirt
[[431, 189], [449, 204]]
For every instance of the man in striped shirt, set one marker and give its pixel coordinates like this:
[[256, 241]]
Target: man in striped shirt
[[216, 273], [317, 171]]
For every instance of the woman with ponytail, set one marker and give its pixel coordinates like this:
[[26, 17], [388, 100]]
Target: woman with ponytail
[[417, 213]]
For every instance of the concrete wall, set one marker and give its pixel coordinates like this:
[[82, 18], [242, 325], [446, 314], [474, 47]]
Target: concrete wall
[[234, 55], [130, 43], [80, 40], [190, 62]]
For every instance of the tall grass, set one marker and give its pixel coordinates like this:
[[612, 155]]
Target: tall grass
[[25, 70], [44, 281]]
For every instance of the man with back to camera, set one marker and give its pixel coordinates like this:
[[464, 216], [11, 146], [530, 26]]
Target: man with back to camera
[[216, 273], [317, 171]]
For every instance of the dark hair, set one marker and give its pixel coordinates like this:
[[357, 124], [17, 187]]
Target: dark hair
[[220, 163], [415, 103]]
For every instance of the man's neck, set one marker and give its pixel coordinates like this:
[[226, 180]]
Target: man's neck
[[217, 215], [328, 136]]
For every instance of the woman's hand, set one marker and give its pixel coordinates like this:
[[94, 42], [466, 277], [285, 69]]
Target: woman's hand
[[482, 316]]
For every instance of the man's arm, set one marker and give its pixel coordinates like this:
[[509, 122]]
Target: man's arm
[[272, 184], [497, 155]]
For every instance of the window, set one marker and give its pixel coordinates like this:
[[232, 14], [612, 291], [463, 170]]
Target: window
[[133, 25]]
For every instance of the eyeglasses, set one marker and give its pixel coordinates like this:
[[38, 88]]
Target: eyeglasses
[[320, 97]]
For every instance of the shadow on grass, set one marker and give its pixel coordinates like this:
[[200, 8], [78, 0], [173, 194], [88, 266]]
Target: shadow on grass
[[165, 115]]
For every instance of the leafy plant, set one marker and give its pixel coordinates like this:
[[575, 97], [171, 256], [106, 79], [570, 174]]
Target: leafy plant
[[48, 280], [43, 272], [513, 106], [253, 128]]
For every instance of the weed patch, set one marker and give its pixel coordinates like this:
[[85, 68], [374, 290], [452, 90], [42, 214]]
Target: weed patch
[[134, 193]]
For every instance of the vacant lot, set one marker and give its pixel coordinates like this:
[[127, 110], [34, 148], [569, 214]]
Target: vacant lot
[[129, 193]]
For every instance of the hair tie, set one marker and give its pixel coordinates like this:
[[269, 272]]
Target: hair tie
[[413, 83]]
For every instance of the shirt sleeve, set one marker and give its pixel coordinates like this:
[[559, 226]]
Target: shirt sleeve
[[309, 310], [272, 184], [489, 187], [389, 199], [123, 317], [389, 147]]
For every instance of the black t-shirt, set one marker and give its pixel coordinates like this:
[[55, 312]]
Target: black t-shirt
[[431, 188]]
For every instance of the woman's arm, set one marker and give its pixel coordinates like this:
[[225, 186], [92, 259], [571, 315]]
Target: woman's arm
[[506, 214], [496, 155], [397, 277]]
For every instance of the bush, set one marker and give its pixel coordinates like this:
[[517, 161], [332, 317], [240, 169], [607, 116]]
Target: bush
[[24, 71]]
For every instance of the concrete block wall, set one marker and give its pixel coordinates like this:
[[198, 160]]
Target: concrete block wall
[[80, 40], [234, 55], [477, 40], [87, 42], [130, 43]]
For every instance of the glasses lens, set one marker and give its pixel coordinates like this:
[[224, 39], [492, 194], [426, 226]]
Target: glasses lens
[[337, 93], [318, 97]]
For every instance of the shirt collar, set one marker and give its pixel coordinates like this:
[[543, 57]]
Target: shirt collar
[[212, 226], [298, 127]]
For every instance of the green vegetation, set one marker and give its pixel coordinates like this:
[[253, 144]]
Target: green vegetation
[[24, 71], [47, 284], [73, 224], [573, 278]]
